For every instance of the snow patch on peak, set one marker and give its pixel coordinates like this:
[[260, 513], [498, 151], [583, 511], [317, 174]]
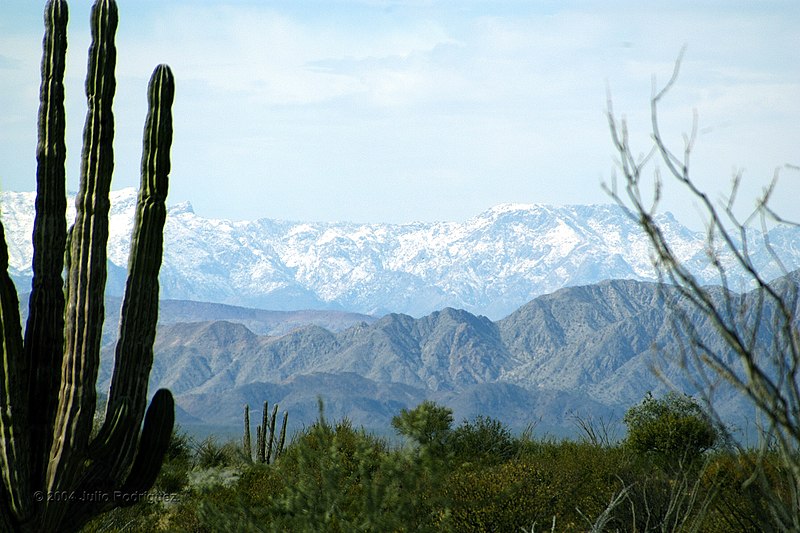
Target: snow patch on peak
[[490, 264], [182, 208], [501, 209]]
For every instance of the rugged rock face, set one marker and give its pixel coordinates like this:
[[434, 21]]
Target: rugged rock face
[[491, 264]]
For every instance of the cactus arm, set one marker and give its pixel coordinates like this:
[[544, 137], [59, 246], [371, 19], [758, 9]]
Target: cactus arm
[[44, 333], [134, 351], [282, 440], [271, 432], [87, 274], [262, 433], [259, 444], [247, 447], [159, 422], [31, 369], [15, 492]]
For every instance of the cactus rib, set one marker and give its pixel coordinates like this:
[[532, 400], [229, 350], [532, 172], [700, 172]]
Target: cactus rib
[[87, 274]]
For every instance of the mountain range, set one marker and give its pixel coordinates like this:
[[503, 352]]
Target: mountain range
[[587, 352], [490, 264], [531, 314]]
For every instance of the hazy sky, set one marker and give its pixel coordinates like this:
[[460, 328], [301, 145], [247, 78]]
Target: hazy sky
[[399, 111]]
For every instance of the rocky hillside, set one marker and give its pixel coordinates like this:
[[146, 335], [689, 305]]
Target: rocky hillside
[[589, 351]]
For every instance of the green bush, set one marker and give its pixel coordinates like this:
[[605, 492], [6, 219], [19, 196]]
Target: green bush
[[741, 503], [507, 497], [484, 440], [428, 425], [174, 474], [674, 427], [211, 454], [332, 477]]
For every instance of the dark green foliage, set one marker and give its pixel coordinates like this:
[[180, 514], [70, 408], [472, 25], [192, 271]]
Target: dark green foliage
[[174, 473], [49, 443], [741, 504], [326, 469], [334, 477], [428, 424], [484, 440], [210, 453], [509, 497], [673, 427], [147, 515]]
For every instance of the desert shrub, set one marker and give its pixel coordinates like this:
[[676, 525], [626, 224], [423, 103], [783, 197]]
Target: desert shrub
[[332, 477], [140, 517], [170, 485], [659, 499], [174, 474], [674, 427], [581, 479], [484, 440], [741, 503], [243, 504], [428, 425], [209, 453], [324, 470], [506, 497], [342, 479]]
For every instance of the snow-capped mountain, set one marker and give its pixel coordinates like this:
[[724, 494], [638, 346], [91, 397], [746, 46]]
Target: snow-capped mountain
[[490, 264]]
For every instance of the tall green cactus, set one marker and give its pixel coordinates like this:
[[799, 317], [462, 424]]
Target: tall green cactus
[[53, 477]]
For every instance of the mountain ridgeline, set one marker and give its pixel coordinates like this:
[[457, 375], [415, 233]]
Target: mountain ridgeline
[[586, 351], [490, 264]]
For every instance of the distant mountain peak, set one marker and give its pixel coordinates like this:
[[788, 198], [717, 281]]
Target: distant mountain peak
[[181, 208], [500, 209]]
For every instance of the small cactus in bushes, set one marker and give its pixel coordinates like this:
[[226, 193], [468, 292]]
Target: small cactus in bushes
[[267, 447], [56, 477]]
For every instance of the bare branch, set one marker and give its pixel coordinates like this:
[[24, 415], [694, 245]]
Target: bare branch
[[750, 341]]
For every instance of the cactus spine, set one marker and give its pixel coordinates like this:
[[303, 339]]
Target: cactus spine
[[47, 390]]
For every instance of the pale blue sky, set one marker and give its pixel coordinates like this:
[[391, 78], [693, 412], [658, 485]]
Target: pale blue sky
[[399, 111]]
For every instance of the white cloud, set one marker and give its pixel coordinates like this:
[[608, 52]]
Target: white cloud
[[483, 94], [267, 57]]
